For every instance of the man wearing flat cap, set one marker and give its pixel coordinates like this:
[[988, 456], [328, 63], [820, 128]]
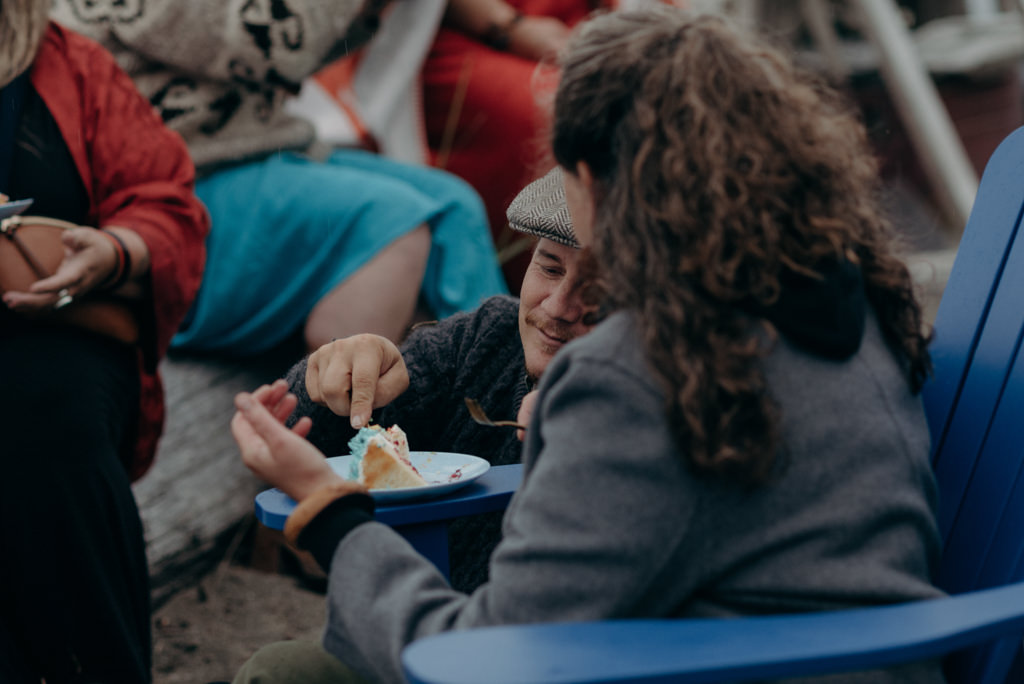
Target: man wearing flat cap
[[494, 354]]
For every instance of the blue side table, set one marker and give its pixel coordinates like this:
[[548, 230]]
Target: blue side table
[[424, 522]]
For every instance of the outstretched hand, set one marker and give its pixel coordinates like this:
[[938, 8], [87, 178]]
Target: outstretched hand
[[276, 454], [354, 375]]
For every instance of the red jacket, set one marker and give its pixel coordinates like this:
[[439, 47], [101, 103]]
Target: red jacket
[[139, 175]]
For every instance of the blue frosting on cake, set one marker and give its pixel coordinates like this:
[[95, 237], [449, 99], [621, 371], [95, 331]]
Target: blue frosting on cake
[[357, 447]]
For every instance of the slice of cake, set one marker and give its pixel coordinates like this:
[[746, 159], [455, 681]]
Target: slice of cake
[[381, 459]]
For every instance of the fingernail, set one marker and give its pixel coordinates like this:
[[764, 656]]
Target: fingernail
[[243, 401], [357, 422]]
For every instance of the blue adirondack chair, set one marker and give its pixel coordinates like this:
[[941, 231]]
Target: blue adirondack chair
[[975, 404]]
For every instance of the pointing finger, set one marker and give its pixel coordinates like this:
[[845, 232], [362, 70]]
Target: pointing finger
[[365, 375]]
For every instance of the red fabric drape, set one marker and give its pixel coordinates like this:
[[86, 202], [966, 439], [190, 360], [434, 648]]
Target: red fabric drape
[[500, 141]]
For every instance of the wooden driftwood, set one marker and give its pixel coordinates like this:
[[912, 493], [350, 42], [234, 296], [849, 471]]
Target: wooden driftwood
[[198, 491]]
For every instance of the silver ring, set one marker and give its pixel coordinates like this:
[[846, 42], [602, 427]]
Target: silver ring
[[65, 299]]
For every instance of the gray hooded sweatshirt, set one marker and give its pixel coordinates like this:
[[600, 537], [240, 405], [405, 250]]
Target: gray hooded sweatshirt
[[611, 522]]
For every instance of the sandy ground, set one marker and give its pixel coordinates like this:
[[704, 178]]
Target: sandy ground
[[204, 633]]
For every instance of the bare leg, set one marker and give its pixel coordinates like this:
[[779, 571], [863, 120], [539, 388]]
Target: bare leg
[[379, 298]]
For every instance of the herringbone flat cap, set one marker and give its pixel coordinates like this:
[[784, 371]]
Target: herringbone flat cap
[[540, 209]]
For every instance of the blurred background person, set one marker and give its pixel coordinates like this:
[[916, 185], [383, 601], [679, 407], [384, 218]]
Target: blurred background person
[[81, 411], [460, 85], [329, 242]]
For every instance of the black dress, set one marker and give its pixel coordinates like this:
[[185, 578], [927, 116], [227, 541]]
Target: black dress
[[74, 585]]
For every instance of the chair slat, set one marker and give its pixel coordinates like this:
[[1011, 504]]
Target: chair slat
[[977, 328], [984, 547], [975, 485], [977, 270]]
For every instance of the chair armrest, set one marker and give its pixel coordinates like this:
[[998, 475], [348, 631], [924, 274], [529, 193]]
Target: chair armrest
[[491, 492], [716, 650]]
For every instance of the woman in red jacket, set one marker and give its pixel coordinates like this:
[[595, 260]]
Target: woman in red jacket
[[81, 412]]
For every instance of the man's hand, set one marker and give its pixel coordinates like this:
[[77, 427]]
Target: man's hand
[[355, 375], [275, 454]]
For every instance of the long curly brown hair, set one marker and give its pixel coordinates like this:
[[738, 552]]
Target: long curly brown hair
[[718, 167]]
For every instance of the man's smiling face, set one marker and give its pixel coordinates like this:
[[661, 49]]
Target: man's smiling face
[[551, 308]]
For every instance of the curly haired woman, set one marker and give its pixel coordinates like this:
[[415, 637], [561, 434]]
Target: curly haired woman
[[744, 434]]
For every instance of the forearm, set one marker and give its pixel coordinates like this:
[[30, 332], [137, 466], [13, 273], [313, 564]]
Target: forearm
[[504, 28], [479, 18]]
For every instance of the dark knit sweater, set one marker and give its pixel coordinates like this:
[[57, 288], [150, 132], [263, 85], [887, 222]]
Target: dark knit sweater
[[477, 354]]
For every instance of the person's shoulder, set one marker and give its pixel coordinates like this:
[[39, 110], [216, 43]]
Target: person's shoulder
[[81, 53], [494, 326], [56, 44], [613, 338], [73, 42], [498, 308], [477, 341], [493, 316], [613, 349]]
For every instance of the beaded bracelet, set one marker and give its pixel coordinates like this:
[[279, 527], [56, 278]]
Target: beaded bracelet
[[124, 262], [498, 35]]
